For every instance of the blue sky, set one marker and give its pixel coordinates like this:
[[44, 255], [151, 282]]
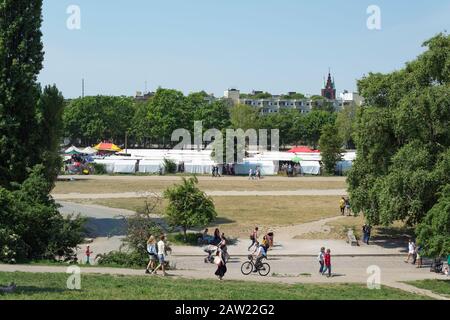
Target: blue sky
[[191, 45]]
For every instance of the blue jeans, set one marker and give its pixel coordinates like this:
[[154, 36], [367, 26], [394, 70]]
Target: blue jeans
[[327, 268], [322, 266]]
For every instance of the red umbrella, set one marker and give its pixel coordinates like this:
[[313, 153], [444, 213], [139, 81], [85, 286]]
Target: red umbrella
[[303, 149]]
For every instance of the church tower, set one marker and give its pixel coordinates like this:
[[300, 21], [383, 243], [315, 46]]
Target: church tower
[[329, 91]]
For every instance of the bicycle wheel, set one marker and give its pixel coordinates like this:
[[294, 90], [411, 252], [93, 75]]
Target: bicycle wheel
[[264, 270], [247, 268]]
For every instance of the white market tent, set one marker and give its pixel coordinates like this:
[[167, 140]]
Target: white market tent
[[89, 150], [200, 162], [73, 150]]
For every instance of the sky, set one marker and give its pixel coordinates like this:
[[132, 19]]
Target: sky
[[192, 45]]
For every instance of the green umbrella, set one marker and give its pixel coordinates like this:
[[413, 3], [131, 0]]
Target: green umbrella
[[296, 159]]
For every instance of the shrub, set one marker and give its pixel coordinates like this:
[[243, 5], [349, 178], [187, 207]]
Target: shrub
[[99, 168], [170, 167], [123, 259]]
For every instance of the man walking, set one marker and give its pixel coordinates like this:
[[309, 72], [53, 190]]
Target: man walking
[[327, 264], [254, 238], [321, 259]]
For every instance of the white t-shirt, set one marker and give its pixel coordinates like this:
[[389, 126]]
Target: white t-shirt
[[412, 248], [161, 248]]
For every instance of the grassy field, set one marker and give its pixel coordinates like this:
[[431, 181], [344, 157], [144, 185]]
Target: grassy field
[[338, 230], [239, 215], [101, 287], [144, 184], [441, 287]]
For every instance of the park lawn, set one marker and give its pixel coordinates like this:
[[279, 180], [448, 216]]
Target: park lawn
[[52, 286], [237, 216], [143, 184], [441, 287], [337, 230]]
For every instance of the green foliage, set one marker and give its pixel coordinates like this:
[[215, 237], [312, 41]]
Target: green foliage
[[433, 234], [244, 117], [99, 169], [170, 167], [92, 119], [314, 122], [188, 206], [31, 226], [403, 139], [21, 58], [122, 259], [345, 123], [331, 148]]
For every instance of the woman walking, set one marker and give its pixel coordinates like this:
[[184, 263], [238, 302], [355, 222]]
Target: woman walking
[[153, 255], [221, 265]]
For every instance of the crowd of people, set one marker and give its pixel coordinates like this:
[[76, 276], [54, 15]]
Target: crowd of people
[[255, 174]]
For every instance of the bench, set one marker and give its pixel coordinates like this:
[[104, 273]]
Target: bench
[[351, 239]]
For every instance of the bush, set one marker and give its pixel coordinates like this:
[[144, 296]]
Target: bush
[[99, 168], [31, 226], [170, 167], [123, 259]]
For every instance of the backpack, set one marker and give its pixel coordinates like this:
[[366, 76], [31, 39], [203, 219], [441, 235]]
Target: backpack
[[152, 249]]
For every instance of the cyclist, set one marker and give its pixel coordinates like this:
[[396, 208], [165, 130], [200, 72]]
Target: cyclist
[[261, 253]]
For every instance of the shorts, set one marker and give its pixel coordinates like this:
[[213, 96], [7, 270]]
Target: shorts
[[161, 258], [153, 257]]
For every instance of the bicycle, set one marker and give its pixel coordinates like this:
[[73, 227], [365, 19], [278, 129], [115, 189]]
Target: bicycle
[[249, 266]]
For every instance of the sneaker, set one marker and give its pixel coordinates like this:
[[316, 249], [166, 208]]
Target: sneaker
[[147, 271]]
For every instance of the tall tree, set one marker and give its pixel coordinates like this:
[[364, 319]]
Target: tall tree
[[21, 58], [331, 148], [403, 139]]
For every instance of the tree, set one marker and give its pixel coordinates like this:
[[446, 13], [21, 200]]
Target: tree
[[31, 226], [93, 119], [30, 126], [21, 58], [433, 233], [49, 117], [403, 139], [244, 117], [314, 123], [345, 123], [331, 148], [188, 206]]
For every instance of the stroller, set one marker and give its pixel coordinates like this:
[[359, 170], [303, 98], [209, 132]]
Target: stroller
[[212, 250]]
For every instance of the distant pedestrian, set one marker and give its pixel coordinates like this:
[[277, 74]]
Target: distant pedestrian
[[253, 238], [368, 234], [153, 255], [321, 259], [411, 250], [88, 255], [342, 206], [161, 256], [250, 174], [348, 207], [419, 259], [327, 268], [221, 265]]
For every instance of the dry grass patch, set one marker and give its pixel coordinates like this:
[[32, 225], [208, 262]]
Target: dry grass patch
[[338, 230], [238, 215], [143, 184]]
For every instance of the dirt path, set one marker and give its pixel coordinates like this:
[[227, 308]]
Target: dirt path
[[133, 195]]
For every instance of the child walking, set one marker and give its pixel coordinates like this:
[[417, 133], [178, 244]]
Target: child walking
[[327, 263]]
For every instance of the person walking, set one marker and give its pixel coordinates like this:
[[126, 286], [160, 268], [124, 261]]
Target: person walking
[[88, 254], [254, 238], [327, 260], [250, 174], [411, 250], [153, 255], [321, 259], [221, 265], [161, 256], [368, 233], [348, 207], [342, 206], [364, 231], [419, 259]]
